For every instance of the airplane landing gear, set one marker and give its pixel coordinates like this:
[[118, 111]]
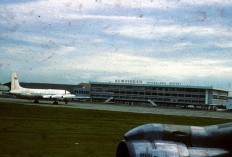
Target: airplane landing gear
[[36, 101], [55, 102], [66, 101]]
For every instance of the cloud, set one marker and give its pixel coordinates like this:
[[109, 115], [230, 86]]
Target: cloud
[[207, 2], [29, 54], [89, 4], [156, 32], [224, 44], [103, 17], [15, 2], [145, 67], [51, 10], [42, 10], [103, 39]]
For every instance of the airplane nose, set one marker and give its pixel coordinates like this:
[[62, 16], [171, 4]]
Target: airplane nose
[[145, 132]]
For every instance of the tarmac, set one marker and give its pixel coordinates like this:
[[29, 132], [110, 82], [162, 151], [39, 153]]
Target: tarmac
[[126, 108]]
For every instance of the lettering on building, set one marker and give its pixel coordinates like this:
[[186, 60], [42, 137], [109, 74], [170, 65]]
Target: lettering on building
[[129, 81], [165, 83]]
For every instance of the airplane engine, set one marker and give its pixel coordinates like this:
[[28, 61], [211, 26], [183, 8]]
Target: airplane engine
[[164, 140], [158, 148], [218, 136], [46, 96], [68, 96], [57, 96]]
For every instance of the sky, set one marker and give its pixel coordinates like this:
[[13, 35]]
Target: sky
[[66, 41]]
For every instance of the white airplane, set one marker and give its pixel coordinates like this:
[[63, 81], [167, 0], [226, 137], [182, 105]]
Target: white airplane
[[38, 94]]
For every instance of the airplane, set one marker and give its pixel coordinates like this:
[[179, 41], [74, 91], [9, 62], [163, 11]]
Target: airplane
[[165, 140], [38, 94]]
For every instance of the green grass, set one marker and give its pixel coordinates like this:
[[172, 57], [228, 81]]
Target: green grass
[[37, 131]]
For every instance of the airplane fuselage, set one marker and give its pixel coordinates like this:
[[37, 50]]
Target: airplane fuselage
[[39, 93]]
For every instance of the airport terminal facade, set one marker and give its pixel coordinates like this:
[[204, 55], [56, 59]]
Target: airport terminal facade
[[136, 94]]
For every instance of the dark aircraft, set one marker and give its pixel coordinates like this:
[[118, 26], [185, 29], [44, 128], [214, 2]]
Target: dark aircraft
[[164, 140]]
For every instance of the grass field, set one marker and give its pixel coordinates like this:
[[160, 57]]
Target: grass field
[[36, 131]]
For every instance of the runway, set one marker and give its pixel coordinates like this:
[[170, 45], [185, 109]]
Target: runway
[[126, 108]]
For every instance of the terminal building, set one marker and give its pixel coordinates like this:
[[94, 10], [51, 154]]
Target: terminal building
[[158, 94]]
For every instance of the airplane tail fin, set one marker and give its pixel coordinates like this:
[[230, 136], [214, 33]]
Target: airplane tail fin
[[15, 83]]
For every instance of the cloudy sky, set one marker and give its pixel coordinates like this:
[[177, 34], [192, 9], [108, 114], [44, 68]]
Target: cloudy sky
[[65, 41]]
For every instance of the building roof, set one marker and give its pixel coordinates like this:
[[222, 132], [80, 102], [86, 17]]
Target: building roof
[[86, 85], [157, 85]]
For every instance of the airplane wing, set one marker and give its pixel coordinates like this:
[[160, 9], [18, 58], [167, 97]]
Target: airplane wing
[[46, 96], [52, 96], [81, 97], [70, 96]]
